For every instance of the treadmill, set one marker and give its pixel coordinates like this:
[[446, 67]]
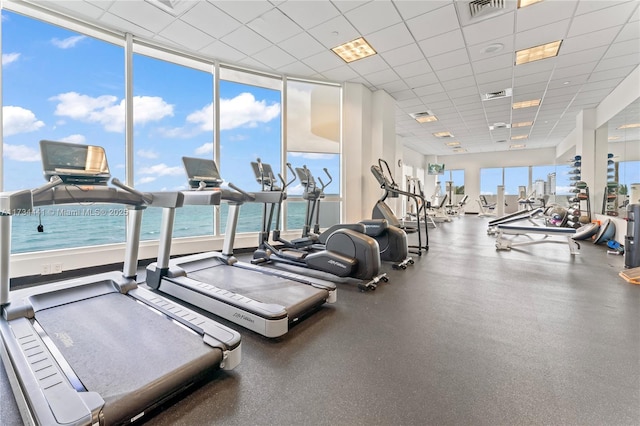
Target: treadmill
[[98, 350], [263, 300]]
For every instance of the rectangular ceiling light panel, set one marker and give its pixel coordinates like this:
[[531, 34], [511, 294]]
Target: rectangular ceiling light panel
[[537, 53], [354, 50], [526, 104]]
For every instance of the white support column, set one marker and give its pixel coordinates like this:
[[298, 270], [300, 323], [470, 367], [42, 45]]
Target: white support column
[[592, 145]]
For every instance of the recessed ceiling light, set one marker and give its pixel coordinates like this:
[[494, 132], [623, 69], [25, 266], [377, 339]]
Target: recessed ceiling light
[[452, 144], [537, 53], [460, 150], [518, 137], [523, 124], [525, 3], [526, 104], [493, 48], [424, 117], [495, 126], [443, 135], [629, 126], [354, 50], [519, 145], [613, 138]]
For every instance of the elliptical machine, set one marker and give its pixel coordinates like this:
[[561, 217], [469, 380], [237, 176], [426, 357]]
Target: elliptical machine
[[382, 210], [346, 253], [392, 240]]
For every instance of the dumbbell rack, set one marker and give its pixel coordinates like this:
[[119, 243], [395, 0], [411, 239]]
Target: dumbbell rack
[[576, 216], [610, 199]]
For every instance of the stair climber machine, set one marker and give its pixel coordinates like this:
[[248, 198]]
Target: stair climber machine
[[346, 253], [382, 210], [265, 300], [392, 240], [98, 349]]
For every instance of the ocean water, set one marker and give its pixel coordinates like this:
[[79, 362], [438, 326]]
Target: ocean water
[[86, 225]]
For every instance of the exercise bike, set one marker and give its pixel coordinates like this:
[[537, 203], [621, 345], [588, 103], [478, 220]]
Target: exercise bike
[[346, 253], [392, 240]]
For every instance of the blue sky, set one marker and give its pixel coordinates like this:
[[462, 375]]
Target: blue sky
[[60, 85]]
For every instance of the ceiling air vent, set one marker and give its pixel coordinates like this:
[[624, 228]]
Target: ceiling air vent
[[479, 8], [497, 95], [174, 7], [423, 117]]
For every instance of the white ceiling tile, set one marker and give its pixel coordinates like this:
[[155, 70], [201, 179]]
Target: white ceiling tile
[[409, 103], [323, 61], [501, 74], [430, 89], [155, 19], [545, 34], [334, 32], [603, 18], [275, 26], [308, 14], [296, 69], [436, 22], [623, 48], [341, 73], [204, 13], [219, 50], [402, 55], [626, 62], [411, 8], [382, 77], [531, 68], [186, 35], [404, 95], [373, 16], [455, 73], [442, 43], [369, 65], [246, 41], [459, 83], [90, 10], [244, 11], [589, 40], [117, 22], [449, 59], [543, 13], [495, 86], [541, 77], [493, 64], [581, 57], [631, 31], [421, 80], [462, 92], [274, 57], [390, 38], [302, 46], [489, 29], [347, 5], [393, 86], [412, 69]]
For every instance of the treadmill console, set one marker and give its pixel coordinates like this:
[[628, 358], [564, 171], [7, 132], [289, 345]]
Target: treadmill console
[[75, 164], [202, 170]]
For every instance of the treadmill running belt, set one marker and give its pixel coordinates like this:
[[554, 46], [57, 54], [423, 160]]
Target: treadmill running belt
[[294, 297], [124, 351]]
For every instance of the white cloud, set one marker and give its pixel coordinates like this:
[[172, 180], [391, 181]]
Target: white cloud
[[20, 153], [147, 153], [8, 58], [161, 170], [313, 155], [68, 42], [19, 120], [242, 111], [207, 148], [146, 179], [74, 139], [108, 112]]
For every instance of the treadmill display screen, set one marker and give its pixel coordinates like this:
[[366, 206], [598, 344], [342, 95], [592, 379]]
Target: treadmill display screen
[[201, 170], [74, 163]]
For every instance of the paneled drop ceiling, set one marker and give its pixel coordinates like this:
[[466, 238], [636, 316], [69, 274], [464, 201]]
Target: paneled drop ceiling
[[432, 56]]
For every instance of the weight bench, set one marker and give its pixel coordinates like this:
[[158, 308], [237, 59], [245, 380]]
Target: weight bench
[[503, 243]]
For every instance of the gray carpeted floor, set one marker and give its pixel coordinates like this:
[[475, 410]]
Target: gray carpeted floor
[[467, 335]]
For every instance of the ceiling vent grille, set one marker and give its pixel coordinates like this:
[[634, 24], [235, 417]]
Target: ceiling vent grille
[[497, 95], [479, 8]]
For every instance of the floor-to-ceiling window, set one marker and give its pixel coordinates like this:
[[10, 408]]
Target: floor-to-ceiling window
[[250, 128], [172, 118], [59, 85]]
